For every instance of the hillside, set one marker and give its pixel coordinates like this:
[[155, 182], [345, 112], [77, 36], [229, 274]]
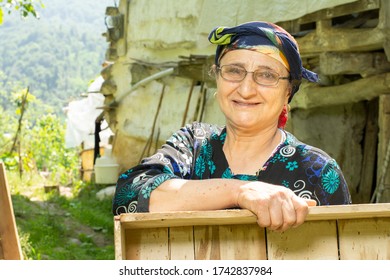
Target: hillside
[[56, 55]]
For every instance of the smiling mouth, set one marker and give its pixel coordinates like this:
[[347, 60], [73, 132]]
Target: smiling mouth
[[246, 104]]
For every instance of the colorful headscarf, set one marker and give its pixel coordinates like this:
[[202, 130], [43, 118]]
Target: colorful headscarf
[[266, 38]]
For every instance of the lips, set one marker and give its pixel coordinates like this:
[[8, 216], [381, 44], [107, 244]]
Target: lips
[[245, 103]]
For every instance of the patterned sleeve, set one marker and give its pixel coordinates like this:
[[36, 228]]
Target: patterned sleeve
[[173, 160], [334, 185]]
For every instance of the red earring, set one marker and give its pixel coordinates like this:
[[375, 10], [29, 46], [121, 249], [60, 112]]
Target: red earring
[[283, 117]]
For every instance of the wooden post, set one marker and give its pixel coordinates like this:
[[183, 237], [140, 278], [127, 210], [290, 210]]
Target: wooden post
[[9, 240], [368, 176], [384, 25], [382, 191]]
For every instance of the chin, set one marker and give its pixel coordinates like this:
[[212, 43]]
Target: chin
[[246, 124]]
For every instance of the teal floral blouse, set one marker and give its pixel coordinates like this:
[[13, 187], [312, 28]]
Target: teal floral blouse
[[195, 152]]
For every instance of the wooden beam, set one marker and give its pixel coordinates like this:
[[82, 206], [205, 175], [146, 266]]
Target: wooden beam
[[341, 39], [329, 13], [9, 240], [366, 185], [243, 216], [364, 89], [384, 25], [382, 192], [365, 64]]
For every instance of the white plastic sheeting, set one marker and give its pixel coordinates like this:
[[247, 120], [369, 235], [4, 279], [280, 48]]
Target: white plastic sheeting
[[81, 116]]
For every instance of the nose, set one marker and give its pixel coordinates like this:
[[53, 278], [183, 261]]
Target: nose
[[247, 86]]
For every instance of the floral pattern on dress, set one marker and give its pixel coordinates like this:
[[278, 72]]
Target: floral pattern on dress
[[195, 152]]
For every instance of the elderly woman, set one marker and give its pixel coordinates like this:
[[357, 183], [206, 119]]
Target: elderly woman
[[251, 162]]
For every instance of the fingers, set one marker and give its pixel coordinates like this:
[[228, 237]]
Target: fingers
[[301, 207], [286, 213], [276, 207], [282, 216], [311, 202]]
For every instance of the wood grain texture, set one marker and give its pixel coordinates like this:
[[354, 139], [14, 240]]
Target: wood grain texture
[[365, 239], [230, 242], [360, 231], [242, 216], [147, 244], [315, 240], [10, 248], [181, 243]]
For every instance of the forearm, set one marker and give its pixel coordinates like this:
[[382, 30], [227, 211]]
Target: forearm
[[179, 194]]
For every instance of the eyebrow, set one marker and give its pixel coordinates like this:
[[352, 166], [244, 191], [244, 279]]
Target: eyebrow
[[258, 67]]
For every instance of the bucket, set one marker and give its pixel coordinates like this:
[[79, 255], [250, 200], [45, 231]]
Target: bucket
[[106, 169]]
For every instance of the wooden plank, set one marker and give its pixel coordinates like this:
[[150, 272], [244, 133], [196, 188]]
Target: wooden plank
[[119, 239], [1, 250], [206, 240], [10, 248], [235, 242], [242, 242], [368, 174], [383, 174], [384, 25], [147, 244], [187, 218], [234, 234], [365, 239], [243, 216], [366, 64], [311, 241], [181, 243], [337, 11], [364, 89], [354, 211], [334, 40]]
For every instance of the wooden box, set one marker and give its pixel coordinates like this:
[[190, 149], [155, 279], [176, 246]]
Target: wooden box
[[347, 232]]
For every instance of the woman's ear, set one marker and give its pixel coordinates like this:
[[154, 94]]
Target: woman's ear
[[213, 71], [288, 93]]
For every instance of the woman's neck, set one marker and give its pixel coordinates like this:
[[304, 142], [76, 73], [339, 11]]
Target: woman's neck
[[247, 152]]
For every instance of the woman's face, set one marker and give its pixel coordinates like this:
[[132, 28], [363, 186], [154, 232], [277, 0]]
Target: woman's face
[[246, 104]]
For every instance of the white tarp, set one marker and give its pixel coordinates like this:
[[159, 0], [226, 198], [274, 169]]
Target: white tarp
[[81, 116]]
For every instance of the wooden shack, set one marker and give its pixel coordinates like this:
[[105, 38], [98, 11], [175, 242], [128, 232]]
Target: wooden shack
[[158, 79]]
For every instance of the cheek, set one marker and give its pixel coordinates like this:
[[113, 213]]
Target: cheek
[[224, 89], [286, 94]]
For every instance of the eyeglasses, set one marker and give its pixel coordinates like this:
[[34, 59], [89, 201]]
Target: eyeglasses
[[262, 76]]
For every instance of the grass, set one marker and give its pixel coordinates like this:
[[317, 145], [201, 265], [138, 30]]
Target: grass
[[53, 226]]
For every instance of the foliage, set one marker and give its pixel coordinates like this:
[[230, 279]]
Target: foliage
[[39, 138], [51, 154], [52, 226], [54, 57], [57, 55], [25, 7]]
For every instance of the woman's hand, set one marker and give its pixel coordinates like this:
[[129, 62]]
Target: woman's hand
[[276, 207]]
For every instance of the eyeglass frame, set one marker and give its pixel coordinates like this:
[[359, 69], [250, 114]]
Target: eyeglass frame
[[219, 69]]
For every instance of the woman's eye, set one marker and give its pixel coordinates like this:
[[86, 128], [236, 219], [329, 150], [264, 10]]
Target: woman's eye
[[235, 70], [266, 75]]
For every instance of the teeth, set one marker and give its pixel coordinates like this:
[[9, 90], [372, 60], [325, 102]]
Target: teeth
[[246, 104]]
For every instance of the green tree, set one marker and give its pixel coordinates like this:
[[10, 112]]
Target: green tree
[[47, 147], [35, 142], [25, 7]]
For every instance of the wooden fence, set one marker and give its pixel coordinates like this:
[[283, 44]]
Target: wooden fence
[[9, 240], [354, 232]]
